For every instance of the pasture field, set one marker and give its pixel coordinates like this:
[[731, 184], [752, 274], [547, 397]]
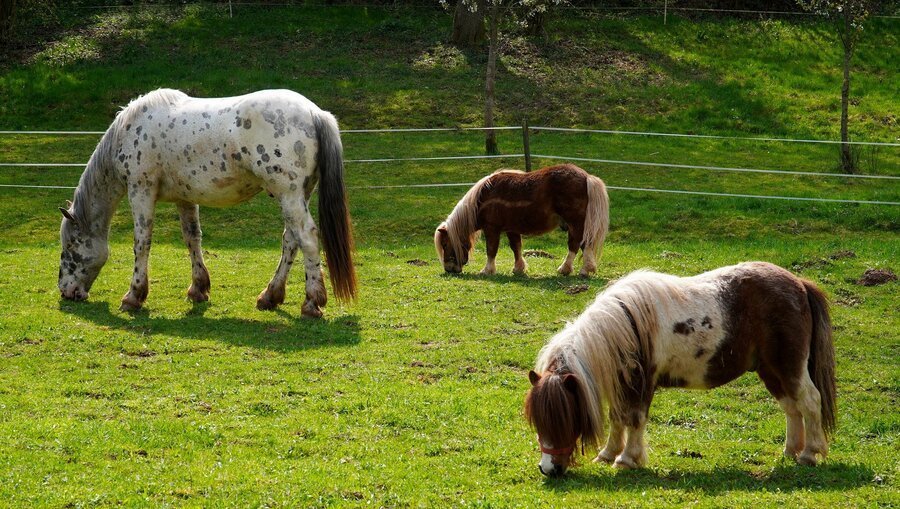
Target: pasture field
[[412, 396]]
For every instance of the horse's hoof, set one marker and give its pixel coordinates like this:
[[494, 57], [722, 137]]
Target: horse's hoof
[[808, 459], [130, 305], [196, 295], [605, 458], [264, 303], [488, 272], [564, 271], [310, 310], [626, 463]]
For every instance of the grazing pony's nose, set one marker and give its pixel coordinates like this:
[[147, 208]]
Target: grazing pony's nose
[[553, 471]]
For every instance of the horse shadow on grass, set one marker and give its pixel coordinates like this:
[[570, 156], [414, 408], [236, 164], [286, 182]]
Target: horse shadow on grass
[[569, 284], [785, 477], [290, 333]]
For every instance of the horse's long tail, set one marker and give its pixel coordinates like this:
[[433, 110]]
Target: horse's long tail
[[334, 214], [821, 355], [596, 218]]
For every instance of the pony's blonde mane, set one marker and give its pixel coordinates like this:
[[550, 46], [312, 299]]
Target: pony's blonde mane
[[461, 222], [600, 346]]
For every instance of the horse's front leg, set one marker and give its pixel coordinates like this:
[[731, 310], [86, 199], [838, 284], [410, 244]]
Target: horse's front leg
[[615, 443], [143, 207], [515, 243], [574, 241], [190, 231], [492, 239]]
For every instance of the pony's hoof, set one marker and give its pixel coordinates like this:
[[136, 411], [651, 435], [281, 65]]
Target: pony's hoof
[[263, 303], [564, 270], [520, 270], [583, 274], [311, 310], [625, 463], [487, 272], [807, 458], [197, 295], [130, 304], [604, 457]]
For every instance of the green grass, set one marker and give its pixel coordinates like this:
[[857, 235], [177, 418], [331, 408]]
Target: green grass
[[412, 396]]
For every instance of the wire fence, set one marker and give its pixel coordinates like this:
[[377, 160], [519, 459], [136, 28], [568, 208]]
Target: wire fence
[[527, 155]]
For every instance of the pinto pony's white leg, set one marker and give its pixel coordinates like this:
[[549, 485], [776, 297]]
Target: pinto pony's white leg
[[795, 437], [142, 210], [635, 453], [190, 231], [809, 402], [615, 443]]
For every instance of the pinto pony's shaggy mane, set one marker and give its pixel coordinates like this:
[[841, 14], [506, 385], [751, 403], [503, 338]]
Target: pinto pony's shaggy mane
[[604, 346]]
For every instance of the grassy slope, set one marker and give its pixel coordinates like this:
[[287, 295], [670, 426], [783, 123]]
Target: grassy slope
[[412, 396]]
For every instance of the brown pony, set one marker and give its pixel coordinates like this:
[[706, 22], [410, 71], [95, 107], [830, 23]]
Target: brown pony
[[652, 330], [519, 203]]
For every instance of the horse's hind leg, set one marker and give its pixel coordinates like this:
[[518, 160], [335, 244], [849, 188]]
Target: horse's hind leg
[[574, 242], [809, 402], [515, 243], [795, 437], [142, 211], [299, 233], [190, 231]]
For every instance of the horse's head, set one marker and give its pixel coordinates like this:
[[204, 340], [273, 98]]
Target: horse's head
[[454, 257], [83, 255], [555, 408]]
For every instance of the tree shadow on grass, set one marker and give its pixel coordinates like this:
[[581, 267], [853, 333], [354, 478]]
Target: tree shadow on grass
[[830, 476], [291, 333]]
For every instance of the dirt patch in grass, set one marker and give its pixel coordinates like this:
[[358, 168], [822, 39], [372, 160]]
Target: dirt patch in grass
[[874, 277], [576, 289], [840, 255], [417, 262], [537, 253]]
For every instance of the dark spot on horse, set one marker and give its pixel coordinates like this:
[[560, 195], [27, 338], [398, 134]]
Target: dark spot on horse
[[128, 127], [260, 149], [236, 156], [700, 353], [145, 137], [126, 165], [684, 328], [299, 148], [247, 124], [139, 129], [277, 153], [237, 121], [144, 109], [122, 158], [161, 135], [222, 166], [265, 158], [707, 322], [665, 380], [293, 187], [244, 150], [172, 124], [184, 122]]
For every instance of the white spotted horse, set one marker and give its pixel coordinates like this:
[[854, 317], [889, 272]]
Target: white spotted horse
[[167, 146], [651, 330]]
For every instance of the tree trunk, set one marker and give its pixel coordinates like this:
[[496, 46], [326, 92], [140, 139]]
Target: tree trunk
[[847, 163], [490, 136], [7, 18], [468, 26]]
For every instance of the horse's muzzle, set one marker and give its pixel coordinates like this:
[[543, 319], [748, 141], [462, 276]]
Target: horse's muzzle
[[556, 471], [76, 294]]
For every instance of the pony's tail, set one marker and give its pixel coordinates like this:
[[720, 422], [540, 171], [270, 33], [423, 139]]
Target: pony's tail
[[596, 218], [821, 355], [334, 214]]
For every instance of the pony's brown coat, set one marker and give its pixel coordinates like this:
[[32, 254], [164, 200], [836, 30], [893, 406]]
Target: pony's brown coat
[[519, 203]]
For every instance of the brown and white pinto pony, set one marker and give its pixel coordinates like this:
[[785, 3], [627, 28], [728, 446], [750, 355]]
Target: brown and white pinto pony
[[652, 330], [519, 203]]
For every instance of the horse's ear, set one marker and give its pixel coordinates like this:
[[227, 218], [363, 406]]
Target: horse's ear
[[534, 377], [570, 382], [68, 215]]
